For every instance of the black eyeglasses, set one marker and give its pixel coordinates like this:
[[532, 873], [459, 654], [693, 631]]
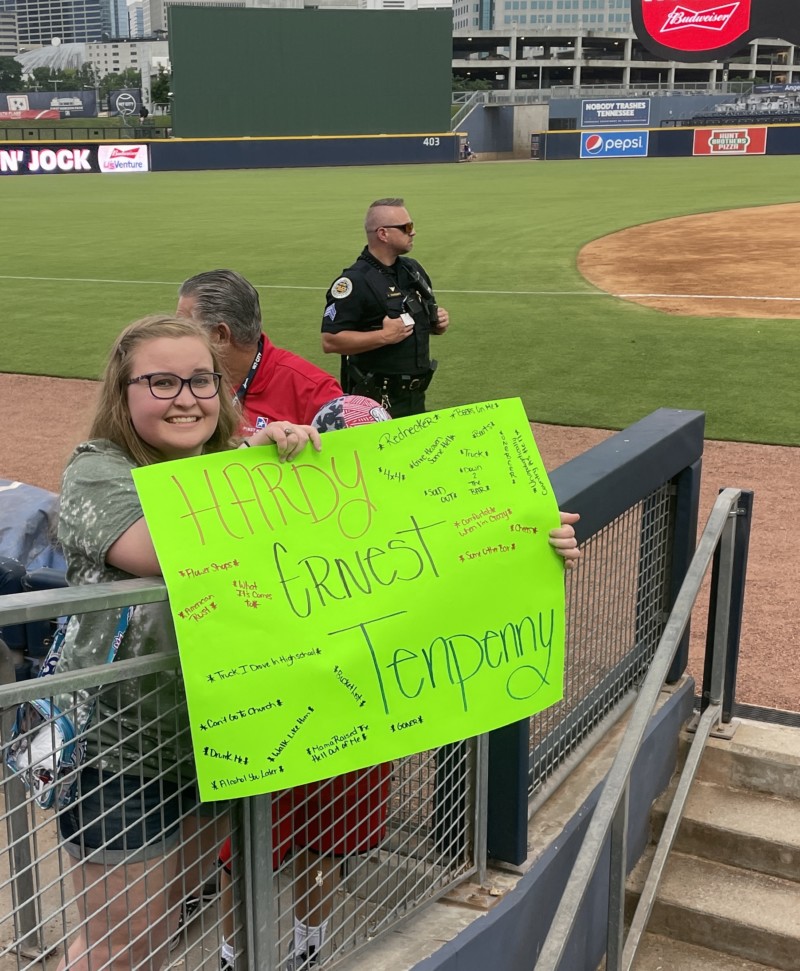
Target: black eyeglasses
[[162, 384], [407, 228]]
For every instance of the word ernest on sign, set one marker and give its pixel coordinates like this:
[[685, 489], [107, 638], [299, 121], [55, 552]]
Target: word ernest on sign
[[325, 579]]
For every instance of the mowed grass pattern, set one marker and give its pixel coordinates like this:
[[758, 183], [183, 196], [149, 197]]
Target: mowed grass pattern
[[500, 241]]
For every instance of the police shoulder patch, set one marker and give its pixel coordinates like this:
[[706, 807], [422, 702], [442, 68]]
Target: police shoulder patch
[[341, 288]]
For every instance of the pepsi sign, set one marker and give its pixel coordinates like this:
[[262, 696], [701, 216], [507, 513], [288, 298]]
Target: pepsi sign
[[614, 144]]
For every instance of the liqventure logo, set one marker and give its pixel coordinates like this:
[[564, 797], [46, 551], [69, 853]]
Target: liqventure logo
[[123, 158], [614, 144]]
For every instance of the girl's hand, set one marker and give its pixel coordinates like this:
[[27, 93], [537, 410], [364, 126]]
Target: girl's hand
[[291, 439], [563, 539]]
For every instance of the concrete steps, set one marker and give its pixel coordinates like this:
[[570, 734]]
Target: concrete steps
[[741, 912], [747, 829], [730, 896], [657, 953]]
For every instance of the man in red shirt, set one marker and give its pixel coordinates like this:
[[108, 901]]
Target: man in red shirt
[[271, 384]]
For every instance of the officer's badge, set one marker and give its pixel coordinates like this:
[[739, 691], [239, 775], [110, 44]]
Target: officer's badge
[[341, 288]]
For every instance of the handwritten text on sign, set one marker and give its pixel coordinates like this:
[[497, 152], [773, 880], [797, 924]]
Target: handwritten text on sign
[[392, 594]]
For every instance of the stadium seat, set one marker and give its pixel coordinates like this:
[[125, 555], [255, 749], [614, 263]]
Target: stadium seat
[[29, 643]]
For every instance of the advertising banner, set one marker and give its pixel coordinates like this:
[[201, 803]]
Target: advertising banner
[[606, 114], [125, 101], [123, 158], [66, 104], [27, 115], [51, 160], [788, 88], [614, 144], [707, 30], [391, 594], [22, 159], [730, 141]]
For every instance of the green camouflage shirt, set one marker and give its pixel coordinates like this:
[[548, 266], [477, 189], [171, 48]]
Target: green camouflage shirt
[[136, 722]]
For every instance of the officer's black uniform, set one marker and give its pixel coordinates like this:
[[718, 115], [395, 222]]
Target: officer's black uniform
[[398, 374]]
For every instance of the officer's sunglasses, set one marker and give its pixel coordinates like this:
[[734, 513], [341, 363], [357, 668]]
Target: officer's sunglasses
[[407, 228]]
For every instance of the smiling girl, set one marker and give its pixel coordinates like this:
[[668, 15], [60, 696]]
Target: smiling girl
[[136, 821]]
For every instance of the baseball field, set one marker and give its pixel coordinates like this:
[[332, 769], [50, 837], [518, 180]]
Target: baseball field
[[85, 255], [596, 290]]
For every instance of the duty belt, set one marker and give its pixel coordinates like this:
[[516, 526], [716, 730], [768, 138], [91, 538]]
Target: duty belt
[[403, 382], [392, 383]]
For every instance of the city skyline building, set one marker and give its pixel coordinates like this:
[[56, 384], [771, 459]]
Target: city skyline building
[[136, 18], [8, 32], [605, 15], [156, 18], [68, 21]]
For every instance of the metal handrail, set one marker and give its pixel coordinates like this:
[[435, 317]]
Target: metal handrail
[[478, 97], [610, 814]]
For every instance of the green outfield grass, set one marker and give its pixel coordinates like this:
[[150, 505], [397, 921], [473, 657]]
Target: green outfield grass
[[85, 255]]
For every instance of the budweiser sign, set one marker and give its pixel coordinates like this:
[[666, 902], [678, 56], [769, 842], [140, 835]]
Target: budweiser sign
[[690, 31], [708, 30], [717, 18]]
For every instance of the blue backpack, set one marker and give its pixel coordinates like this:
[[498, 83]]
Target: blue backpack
[[47, 748]]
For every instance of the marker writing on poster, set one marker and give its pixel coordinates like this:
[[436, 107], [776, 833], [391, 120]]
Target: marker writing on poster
[[240, 500], [397, 437], [299, 722], [453, 660], [342, 678], [321, 580], [251, 667], [434, 451]]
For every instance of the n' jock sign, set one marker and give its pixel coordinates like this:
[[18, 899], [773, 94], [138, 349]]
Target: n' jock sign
[[71, 159]]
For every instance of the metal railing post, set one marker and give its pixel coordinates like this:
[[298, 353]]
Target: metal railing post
[[259, 889], [481, 805], [684, 538], [726, 602], [507, 808], [742, 548], [617, 872], [27, 925]]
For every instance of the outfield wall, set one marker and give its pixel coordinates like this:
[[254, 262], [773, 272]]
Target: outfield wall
[[706, 140], [189, 155]]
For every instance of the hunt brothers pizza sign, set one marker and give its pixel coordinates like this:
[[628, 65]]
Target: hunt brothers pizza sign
[[706, 30]]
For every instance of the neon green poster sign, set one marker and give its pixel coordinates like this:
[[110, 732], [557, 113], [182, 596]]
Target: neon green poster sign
[[391, 594]]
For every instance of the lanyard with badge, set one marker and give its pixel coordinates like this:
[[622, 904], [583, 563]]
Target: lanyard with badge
[[238, 398]]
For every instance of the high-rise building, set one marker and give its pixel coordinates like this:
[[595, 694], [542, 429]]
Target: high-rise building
[[71, 21], [606, 15], [136, 18], [8, 33], [155, 11]]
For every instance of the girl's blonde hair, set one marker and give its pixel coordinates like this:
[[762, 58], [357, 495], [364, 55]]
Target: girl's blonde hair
[[112, 418]]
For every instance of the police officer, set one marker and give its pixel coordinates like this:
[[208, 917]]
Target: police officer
[[380, 313]]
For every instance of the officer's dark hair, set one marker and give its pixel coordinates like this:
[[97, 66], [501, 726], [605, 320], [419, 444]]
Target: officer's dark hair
[[392, 203], [224, 296]]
